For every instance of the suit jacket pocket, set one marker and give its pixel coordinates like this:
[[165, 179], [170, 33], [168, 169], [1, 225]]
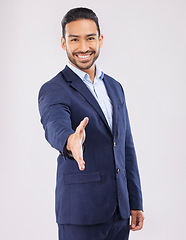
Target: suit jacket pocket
[[81, 178]]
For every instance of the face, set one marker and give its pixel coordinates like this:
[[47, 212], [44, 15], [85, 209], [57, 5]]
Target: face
[[82, 43]]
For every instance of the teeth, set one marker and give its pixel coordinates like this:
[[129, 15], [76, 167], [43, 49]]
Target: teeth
[[84, 57]]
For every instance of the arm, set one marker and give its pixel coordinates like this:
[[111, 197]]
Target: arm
[[133, 178], [54, 107]]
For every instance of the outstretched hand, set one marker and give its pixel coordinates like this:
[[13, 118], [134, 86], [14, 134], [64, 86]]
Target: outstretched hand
[[75, 142]]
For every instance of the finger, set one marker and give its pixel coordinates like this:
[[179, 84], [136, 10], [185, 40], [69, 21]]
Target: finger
[[78, 156], [133, 222], [138, 227], [81, 164], [139, 223]]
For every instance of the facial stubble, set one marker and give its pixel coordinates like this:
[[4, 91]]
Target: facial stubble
[[73, 60]]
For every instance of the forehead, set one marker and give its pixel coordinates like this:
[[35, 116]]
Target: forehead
[[81, 27]]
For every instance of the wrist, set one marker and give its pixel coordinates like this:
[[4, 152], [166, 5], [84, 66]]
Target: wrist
[[68, 153], [68, 143]]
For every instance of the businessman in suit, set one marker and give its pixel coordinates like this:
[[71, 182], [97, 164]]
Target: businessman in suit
[[84, 115]]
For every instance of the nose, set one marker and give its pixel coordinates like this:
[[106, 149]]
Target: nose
[[83, 46]]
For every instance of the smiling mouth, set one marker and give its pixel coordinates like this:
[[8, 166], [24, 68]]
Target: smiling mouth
[[84, 57]]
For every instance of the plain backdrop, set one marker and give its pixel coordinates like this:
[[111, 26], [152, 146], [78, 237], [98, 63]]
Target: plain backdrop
[[145, 50]]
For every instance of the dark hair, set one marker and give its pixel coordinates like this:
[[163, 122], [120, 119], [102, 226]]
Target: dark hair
[[79, 13]]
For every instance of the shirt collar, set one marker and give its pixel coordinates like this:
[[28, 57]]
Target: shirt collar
[[83, 75]]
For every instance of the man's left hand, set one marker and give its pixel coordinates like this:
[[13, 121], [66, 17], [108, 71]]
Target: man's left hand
[[137, 220]]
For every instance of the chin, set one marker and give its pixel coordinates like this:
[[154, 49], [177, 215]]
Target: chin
[[84, 67]]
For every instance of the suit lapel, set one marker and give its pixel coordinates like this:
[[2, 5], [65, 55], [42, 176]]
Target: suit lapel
[[81, 87]]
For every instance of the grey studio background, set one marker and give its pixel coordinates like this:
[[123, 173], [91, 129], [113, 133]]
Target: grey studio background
[[145, 49]]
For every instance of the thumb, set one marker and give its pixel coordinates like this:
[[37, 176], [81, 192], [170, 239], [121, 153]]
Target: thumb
[[83, 124]]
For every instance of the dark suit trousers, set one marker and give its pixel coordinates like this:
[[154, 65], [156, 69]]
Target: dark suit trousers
[[114, 229]]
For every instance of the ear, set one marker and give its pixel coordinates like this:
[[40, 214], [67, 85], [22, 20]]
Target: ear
[[63, 43], [100, 40]]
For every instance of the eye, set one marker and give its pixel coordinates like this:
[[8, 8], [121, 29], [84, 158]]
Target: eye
[[91, 38], [74, 40]]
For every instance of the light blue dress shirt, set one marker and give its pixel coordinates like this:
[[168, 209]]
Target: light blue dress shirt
[[98, 90]]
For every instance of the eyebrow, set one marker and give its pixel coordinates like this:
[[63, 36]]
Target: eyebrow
[[73, 35]]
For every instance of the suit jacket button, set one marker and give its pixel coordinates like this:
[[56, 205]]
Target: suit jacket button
[[114, 144], [117, 171]]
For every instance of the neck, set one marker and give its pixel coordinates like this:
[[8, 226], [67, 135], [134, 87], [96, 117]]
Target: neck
[[91, 71]]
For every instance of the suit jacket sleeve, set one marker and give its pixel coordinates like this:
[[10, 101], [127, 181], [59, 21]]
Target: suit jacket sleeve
[[54, 107], [133, 178]]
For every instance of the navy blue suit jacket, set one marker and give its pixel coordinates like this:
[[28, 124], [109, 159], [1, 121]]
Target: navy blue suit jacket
[[111, 174]]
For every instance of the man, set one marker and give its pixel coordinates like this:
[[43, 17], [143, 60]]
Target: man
[[84, 115]]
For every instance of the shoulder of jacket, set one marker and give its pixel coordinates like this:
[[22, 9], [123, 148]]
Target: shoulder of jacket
[[57, 82], [113, 81]]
